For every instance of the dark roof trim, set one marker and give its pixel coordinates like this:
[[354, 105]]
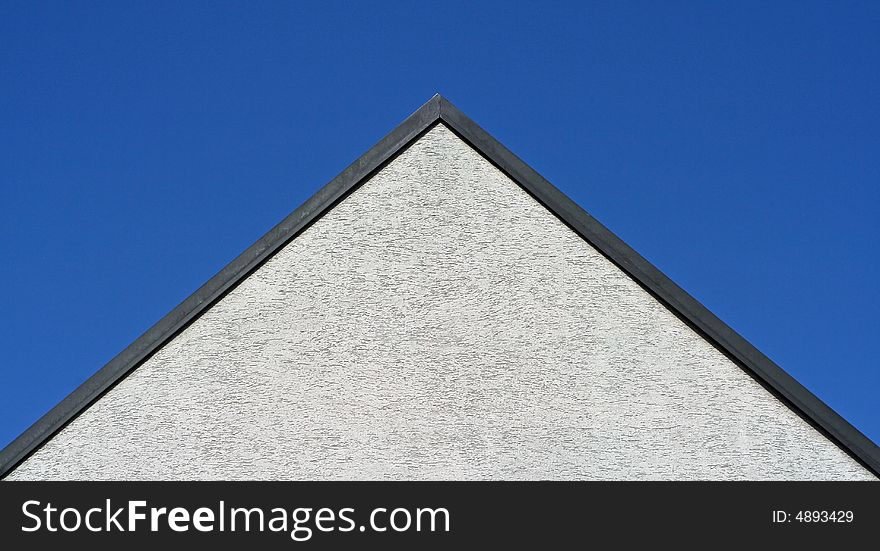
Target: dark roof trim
[[437, 110]]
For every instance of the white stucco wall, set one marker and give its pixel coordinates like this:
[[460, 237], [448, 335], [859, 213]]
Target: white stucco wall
[[439, 324]]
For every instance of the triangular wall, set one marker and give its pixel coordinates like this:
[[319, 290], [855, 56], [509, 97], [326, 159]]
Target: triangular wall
[[439, 323]]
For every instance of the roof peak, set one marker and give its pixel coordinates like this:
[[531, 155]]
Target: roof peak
[[438, 108]]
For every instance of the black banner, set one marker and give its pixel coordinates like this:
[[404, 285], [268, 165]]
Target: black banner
[[284, 515]]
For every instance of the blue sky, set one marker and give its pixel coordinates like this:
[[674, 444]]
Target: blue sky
[[144, 145]]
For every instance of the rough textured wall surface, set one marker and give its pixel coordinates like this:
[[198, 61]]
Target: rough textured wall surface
[[439, 324]]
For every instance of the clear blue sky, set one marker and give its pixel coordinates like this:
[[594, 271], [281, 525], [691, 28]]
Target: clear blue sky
[[144, 145]]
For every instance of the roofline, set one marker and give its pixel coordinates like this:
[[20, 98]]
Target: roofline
[[439, 110]]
